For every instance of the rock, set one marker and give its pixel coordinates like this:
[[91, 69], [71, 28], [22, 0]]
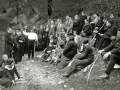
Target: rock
[[61, 81], [71, 89], [27, 68], [65, 85]]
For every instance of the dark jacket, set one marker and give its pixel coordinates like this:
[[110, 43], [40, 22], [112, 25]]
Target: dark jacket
[[87, 53], [8, 42], [114, 47], [70, 49], [76, 26], [10, 73], [87, 29], [112, 31]]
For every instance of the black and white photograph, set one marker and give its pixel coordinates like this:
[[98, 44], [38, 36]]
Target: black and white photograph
[[59, 44]]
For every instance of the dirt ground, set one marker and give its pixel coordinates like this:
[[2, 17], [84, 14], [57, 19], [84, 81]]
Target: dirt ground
[[37, 75]]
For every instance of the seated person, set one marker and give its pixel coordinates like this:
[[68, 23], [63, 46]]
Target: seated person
[[81, 60], [68, 53], [87, 29], [48, 51], [8, 78], [54, 57], [112, 54], [2, 63]]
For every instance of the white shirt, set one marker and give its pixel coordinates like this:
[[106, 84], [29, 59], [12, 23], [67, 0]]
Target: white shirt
[[31, 35]]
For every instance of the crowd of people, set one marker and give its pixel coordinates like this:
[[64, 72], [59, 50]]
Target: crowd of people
[[64, 44]]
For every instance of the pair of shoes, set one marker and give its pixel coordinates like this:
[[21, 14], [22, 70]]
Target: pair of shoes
[[104, 76]]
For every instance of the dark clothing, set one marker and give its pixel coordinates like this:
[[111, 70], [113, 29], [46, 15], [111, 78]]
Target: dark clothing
[[117, 23], [26, 44], [105, 39], [40, 39], [70, 49], [98, 37], [80, 61], [68, 53], [82, 19], [114, 59], [48, 52], [76, 26], [86, 54], [87, 30], [46, 39], [16, 49], [8, 76], [64, 61], [31, 48], [8, 44], [114, 48], [22, 47]]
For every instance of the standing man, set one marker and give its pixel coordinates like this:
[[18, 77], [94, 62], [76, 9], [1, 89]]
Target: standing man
[[8, 43], [26, 40], [32, 38]]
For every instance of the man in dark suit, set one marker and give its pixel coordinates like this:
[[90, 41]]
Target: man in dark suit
[[69, 52], [8, 43], [76, 24], [113, 52]]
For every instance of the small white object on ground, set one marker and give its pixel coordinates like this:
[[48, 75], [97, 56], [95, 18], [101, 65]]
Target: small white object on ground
[[116, 66], [65, 86], [71, 89]]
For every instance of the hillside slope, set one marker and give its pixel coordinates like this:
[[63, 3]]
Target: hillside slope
[[36, 10]]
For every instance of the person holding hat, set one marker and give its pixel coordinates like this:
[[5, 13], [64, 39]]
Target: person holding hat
[[109, 35], [68, 53], [81, 60]]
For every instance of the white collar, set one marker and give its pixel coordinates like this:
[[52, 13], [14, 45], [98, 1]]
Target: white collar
[[6, 66]]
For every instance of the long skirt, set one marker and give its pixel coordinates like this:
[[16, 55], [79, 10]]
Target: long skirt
[[64, 61], [97, 42], [104, 42]]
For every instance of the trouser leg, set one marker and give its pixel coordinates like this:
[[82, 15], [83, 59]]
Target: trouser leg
[[113, 60], [29, 51], [32, 48]]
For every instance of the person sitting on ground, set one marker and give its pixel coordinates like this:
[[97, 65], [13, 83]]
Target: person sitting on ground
[[8, 78], [3, 63], [109, 35], [54, 57], [76, 24], [48, 51], [112, 55], [87, 29], [68, 25], [77, 39], [81, 60], [69, 52]]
